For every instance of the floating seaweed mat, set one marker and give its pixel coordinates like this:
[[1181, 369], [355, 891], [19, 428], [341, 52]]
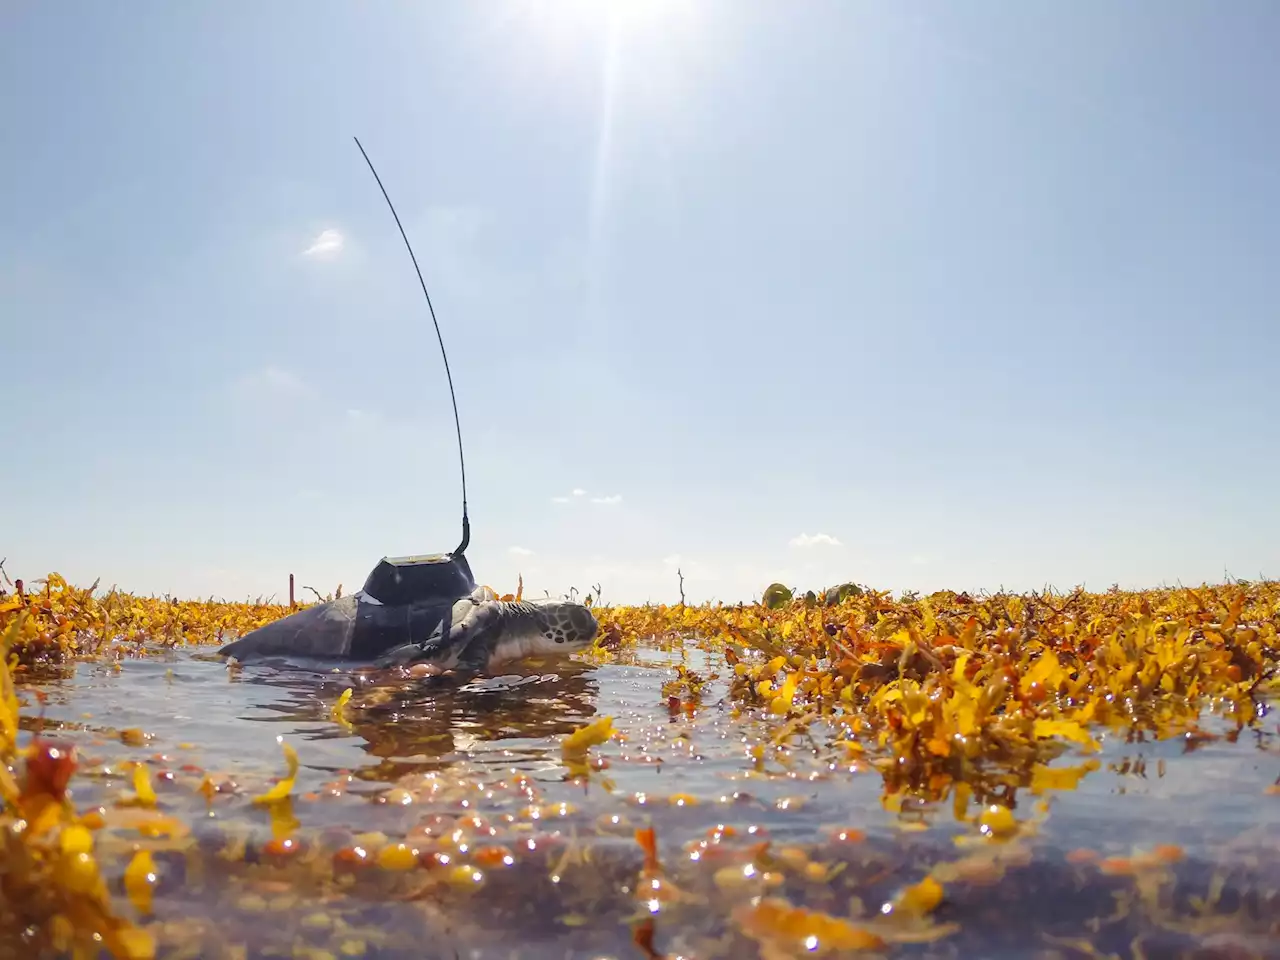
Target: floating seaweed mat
[[947, 697]]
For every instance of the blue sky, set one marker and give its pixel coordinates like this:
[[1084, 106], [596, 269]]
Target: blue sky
[[938, 295]]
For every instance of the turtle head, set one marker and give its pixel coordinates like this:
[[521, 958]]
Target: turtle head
[[540, 627]]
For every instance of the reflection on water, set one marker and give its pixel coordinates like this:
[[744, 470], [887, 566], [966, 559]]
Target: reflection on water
[[488, 752], [428, 724]]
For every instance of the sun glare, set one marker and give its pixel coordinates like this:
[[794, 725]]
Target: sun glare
[[629, 16], [640, 11], [630, 63], [633, 11]]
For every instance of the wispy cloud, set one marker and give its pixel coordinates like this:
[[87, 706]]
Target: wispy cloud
[[579, 492], [520, 551], [282, 381], [693, 570], [610, 500], [560, 499], [354, 416], [326, 244], [271, 381], [815, 540]]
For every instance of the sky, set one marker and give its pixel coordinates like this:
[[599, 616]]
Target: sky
[[921, 296]]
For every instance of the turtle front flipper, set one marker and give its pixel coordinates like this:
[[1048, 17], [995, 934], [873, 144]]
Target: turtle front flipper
[[463, 644], [474, 658], [434, 647], [473, 637]]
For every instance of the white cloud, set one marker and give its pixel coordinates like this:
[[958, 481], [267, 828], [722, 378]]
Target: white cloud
[[578, 493], [520, 551], [919, 561], [813, 540], [326, 243]]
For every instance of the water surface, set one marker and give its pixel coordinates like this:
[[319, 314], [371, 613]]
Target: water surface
[[515, 857]]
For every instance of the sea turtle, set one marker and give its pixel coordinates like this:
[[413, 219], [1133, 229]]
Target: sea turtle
[[425, 613], [487, 631]]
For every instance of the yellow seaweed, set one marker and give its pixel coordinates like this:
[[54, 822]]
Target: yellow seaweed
[[285, 786]]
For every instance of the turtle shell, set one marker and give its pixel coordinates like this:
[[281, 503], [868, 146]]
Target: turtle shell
[[364, 626]]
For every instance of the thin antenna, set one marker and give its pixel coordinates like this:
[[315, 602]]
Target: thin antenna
[[462, 463]]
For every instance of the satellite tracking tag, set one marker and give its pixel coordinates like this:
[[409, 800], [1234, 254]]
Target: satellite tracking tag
[[436, 576]]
